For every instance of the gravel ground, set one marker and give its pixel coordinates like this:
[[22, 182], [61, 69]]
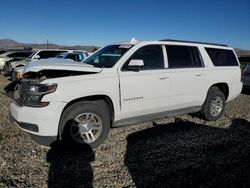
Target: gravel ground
[[184, 151]]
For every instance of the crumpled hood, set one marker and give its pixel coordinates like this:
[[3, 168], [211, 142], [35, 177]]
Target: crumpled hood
[[60, 64]]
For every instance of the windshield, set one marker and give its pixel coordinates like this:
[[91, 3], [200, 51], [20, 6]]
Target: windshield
[[108, 56], [61, 55], [31, 55]]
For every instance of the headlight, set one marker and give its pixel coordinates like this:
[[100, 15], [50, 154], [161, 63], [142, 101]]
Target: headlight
[[35, 92], [42, 88]]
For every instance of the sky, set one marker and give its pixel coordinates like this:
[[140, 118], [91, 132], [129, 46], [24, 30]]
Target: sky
[[103, 22]]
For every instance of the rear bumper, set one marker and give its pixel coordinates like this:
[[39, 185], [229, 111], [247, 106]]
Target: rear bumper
[[234, 91]]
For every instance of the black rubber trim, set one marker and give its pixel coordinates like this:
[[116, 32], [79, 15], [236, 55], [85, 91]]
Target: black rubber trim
[[24, 125], [43, 140]]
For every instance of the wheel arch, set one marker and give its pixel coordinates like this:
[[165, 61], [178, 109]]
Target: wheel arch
[[224, 88], [101, 98]]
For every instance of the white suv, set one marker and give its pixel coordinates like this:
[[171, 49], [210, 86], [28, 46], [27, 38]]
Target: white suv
[[122, 84]]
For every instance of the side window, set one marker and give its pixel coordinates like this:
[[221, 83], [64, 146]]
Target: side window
[[26, 54], [151, 55], [14, 54], [46, 54], [183, 56], [72, 57], [81, 57], [58, 52], [221, 57]]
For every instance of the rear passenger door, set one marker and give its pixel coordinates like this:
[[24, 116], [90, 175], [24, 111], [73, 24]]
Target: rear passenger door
[[186, 73]]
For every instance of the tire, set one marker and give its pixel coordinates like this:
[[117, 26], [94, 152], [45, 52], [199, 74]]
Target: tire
[[85, 122], [214, 105]]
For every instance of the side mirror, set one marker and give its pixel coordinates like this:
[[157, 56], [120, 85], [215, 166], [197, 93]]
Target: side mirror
[[36, 57], [136, 63]]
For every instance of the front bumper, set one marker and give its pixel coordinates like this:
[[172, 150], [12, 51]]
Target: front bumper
[[41, 123], [42, 140]]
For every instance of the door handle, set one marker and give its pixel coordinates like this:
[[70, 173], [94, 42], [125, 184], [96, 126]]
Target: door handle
[[163, 78], [198, 75]]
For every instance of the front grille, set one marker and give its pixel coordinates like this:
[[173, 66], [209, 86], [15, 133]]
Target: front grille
[[19, 94], [9, 67]]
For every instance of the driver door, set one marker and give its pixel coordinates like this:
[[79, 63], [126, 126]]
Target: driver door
[[146, 89]]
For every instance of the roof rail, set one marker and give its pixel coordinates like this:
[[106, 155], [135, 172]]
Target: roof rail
[[171, 40]]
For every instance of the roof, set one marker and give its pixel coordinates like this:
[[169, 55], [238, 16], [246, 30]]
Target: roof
[[195, 42]]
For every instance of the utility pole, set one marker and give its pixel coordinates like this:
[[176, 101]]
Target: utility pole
[[47, 44]]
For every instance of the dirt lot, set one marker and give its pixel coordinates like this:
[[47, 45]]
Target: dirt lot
[[175, 152]]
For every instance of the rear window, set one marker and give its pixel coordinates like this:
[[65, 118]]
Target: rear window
[[221, 57]]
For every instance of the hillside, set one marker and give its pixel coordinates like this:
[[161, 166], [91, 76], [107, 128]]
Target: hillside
[[12, 44]]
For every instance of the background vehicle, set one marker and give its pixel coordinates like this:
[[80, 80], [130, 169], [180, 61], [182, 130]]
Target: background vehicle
[[122, 84], [35, 55], [246, 76], [11, 56], [76, 56], [244, 60], [2, 51]]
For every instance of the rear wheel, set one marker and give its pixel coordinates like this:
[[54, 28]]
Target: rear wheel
[[214, 104], [86, 123]]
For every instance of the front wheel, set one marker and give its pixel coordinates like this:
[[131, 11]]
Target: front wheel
[[214, 104], [86, 123]]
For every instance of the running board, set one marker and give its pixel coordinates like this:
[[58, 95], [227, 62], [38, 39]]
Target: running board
[[151, 117]]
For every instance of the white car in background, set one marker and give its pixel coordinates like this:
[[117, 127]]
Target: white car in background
[[9, 56], [76, 56], [35, 55]]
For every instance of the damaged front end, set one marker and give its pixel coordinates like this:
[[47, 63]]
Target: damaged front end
[[29, 90]]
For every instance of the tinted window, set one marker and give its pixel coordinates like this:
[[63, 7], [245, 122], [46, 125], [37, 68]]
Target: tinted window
[[151, 55], [61, 54], [244, 59], [19, 54], [2, 51], [221, 57], [73, 57], [183, 56], [48, 54]]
